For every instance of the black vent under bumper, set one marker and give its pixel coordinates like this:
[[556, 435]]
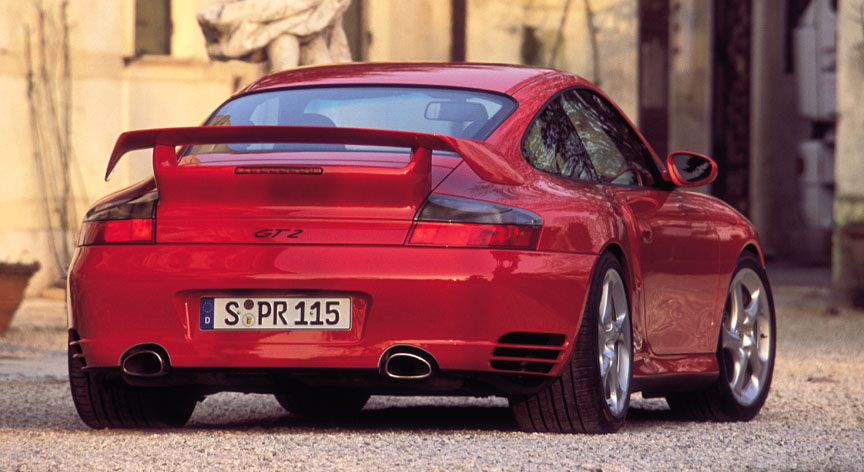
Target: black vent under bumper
[[523, 352], [533, 339]]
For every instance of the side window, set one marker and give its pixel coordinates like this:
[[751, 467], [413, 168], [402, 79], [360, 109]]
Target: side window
[[617, 153], [553, 144]]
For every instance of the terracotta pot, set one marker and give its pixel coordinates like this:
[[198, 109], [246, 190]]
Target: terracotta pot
[[13, 281]]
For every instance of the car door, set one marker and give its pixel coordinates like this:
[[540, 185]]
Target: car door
[[676, 247]]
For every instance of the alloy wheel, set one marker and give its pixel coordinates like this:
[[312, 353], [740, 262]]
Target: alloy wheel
[[746, 336], [614, 343]]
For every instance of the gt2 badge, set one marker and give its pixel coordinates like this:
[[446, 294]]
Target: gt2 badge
[[274, 233]]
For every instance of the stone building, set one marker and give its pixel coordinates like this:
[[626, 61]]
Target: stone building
[[715, 77]]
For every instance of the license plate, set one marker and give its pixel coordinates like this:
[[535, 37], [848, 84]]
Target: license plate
[[274, 313]]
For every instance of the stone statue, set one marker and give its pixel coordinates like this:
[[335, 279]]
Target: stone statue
[[288, 33]]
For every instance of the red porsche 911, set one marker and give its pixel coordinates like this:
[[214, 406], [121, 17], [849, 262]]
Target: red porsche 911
[[337, 232]]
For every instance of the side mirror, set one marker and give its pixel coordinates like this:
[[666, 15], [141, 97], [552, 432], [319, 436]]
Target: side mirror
[[689, 169]]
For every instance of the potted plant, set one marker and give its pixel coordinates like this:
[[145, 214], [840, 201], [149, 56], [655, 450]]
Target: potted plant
[[14, 277]]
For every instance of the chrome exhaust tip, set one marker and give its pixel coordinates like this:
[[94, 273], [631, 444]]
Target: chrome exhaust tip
[[403, 365], [406, 362], [145, 361]]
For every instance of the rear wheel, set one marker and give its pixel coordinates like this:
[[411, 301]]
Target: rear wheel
[[593, 394], [745, 352], [106, 402], [323, 402]]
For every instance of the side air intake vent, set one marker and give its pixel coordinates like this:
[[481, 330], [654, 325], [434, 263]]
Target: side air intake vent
[[535, 353], [533, 339], [76, 353]]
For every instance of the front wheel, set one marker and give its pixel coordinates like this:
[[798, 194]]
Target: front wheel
[[593, 394], [745, 352]]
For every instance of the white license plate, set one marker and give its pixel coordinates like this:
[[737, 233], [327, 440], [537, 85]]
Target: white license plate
[[275, 313]]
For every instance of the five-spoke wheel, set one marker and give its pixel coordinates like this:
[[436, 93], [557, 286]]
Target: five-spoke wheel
[[746, 336], [745, 351], [593, 393], [614, 343]]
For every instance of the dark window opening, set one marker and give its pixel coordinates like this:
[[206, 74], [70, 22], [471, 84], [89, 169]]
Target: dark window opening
[[354, 23], [153, 27], [531, 46], [794, 11], [458, 25]]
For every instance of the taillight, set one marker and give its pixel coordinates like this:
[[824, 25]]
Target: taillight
[[116, 232], [450, 221], [127, 221]]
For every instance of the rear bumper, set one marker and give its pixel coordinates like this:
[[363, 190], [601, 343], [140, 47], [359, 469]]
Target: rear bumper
[[454, 303], [258, 380]]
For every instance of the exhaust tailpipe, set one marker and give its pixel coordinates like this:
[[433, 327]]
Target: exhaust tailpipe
[[406, 363], [403, 365], [145, 361]]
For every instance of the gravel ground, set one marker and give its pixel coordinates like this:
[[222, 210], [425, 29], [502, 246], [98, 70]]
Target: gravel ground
[[813, 419]]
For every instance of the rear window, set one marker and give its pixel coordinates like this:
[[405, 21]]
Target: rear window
[[452, 112]]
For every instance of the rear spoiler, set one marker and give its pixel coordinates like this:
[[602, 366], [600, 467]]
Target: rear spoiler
[[483, 159]]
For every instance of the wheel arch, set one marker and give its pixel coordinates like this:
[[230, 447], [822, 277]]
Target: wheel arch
[[634, 295], [617, 250], [754, 250]]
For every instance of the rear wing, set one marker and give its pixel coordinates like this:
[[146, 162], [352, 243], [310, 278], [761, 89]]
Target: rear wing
[[483, 159]]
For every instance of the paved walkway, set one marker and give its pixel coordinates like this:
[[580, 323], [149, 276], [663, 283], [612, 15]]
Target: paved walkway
[[35, 344]]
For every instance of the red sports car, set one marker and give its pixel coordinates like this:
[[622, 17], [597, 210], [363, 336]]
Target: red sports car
[[336, 232]]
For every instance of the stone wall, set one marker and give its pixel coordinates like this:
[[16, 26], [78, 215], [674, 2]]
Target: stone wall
[[848, 263], [111, 91]]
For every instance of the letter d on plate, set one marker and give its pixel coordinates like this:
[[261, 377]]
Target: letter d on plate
[[206, 313]]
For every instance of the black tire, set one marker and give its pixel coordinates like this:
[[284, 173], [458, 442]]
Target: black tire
[[723, 401], [106, 402], [576, 402], [322, 403]]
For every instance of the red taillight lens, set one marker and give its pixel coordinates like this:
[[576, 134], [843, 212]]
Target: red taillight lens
[[473, 235], [134, 231], [446, 220], [122, 221]]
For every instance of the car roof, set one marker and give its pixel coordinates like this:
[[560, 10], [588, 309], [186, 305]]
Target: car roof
[[501, 78]]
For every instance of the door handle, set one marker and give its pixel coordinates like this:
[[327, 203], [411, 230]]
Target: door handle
[[645, 231]]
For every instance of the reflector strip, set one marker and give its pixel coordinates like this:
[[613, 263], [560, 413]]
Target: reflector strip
[[284, 170]]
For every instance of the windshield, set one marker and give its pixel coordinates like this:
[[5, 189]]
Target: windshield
[[453, 112]]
